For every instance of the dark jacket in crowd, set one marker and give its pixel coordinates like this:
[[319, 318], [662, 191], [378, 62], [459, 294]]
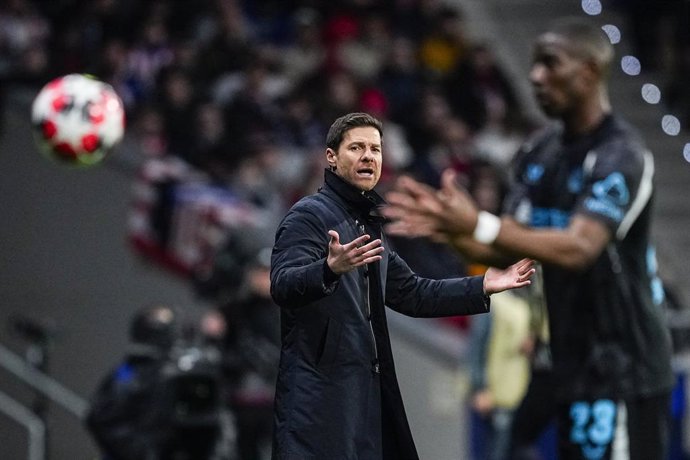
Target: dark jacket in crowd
[[337, 394], [126, 412]]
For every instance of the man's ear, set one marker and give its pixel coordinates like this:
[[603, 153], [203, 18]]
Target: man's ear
[[330, 158]]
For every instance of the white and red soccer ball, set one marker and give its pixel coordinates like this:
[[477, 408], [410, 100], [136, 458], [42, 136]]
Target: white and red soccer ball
[[77, 119]]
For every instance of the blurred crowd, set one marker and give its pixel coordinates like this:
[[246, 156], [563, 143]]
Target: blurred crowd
[[235, 96], [228, 103]]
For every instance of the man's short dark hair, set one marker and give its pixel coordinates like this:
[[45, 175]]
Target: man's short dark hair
[[346, 123]]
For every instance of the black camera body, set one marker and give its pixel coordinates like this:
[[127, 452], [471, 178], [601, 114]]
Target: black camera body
[[191, 377]]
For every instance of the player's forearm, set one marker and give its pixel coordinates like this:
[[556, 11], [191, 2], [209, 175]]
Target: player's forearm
[[565, 248], [481, 253]]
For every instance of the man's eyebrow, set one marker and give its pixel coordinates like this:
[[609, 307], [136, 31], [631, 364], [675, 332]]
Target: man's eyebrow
[[354, 142]]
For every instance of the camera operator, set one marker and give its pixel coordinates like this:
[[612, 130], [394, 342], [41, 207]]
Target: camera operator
[[163, 401], [246, 324]]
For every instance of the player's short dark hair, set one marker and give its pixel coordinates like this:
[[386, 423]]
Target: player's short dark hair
[[587, 40], [346, 123]]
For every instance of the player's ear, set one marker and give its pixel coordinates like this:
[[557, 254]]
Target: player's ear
[[593, 71], [330, 158]]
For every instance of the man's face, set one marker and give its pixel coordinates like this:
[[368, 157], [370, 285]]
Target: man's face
[[558, 77], [358, 158]]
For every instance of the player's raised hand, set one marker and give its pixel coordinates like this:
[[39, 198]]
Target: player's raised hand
[[459, 209], [413, 208], [416, 209], [343, 258]]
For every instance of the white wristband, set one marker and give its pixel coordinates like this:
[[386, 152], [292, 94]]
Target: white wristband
[[487, 227]]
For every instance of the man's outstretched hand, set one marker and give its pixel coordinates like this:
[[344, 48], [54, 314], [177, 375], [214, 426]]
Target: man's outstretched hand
[[516, 276]]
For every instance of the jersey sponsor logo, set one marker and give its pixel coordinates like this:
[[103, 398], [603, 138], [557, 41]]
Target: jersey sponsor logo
[[533, 173], [605, 208], [549, 217]]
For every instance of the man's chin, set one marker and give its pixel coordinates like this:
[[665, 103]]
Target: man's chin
[[550, 110], [366, 184], [366, 187]]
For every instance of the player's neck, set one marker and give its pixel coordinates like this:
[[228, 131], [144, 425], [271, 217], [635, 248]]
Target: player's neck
[[587, 118]]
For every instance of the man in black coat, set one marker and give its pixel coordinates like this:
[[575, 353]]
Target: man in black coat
[[337, 395]]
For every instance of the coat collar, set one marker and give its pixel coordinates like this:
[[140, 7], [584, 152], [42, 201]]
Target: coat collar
[[360, 200]]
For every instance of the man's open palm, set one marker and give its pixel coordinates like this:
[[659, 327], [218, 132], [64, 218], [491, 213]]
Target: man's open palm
[[516, 276]]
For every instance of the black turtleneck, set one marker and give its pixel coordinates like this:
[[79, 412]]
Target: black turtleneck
[[361, 201], [362, 205]]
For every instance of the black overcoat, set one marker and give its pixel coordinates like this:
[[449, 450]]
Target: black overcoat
[[337, 395]]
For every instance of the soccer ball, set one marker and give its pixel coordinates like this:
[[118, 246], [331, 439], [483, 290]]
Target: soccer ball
[[77, 119]]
